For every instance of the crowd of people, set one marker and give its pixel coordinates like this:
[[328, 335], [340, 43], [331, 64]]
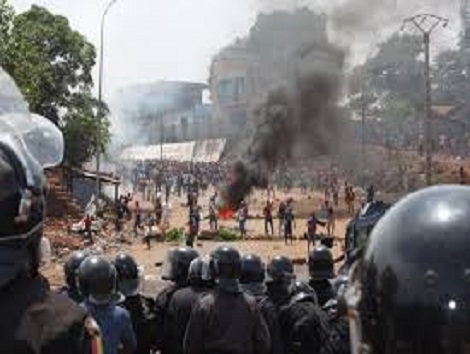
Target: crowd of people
[[223, 302]]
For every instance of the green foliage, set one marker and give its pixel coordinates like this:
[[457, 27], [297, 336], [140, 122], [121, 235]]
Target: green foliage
[[394, 74], [48, 60], [449, 77], [6, 19], [225, 235], [174, 235], [52, 64], [84, 129]]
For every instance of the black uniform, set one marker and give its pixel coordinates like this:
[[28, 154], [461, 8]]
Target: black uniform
[[324, 290], [143, 321], [304, 328], [226, 321], [178, 314], [35, 320], [162, 302], [229, 323], [175, 269]]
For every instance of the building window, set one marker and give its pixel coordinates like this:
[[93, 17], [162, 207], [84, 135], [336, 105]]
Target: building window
[[231, 90]]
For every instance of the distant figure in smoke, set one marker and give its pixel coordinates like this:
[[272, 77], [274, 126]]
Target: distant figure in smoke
[[137, 218], [331, 220], [281, 214], [194, 222], [289, 222], [242, 216], [213, 219], [268, 217], [311, 234]]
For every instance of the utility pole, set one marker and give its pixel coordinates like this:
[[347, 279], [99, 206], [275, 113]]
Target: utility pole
[[426, 24], [363, 135], [100, 98]]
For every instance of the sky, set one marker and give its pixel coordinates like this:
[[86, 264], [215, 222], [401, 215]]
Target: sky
[[151, 40]]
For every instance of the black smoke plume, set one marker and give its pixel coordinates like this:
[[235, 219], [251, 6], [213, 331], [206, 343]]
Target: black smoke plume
[[298, 118]]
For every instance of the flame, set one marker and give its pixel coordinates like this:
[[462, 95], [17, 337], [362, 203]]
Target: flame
[[226, 213]]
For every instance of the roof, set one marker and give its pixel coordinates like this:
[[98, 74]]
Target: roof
[[197, 151]]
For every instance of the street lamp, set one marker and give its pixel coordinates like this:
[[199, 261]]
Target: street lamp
[[100, 97]]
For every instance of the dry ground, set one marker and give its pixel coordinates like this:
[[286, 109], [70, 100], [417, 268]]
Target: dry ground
[[304, 204]]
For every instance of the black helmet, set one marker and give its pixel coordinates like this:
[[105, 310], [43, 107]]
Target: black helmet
[[410, 293], [128, 274], [253, 269], [28, 144], [71, 268], [176, 264], [301, 291], [320, 263], [97, 280], [280, 268], [195, 269], [226, 263]]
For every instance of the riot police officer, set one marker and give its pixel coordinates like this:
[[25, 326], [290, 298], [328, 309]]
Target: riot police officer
[[33, 319], [97, 281], [252, 282], [321, 270], [280, 275], [410, 291], [181, 305], [226, 320], [70, 271], [140, 308], [175, 269]]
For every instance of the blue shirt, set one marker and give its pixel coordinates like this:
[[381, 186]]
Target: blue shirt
[[115, 324]]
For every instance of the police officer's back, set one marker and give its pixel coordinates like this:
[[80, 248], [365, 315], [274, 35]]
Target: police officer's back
[[33, 319], [98, 282], [252, 282], [175, 269], [321, 270], [70, 272], [226, 320], [182, 302], [410, 291], [139, 307]]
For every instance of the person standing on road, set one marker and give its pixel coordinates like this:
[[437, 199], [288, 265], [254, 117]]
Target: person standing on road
[[268, 218], [226, 320], [311, 236], [289, 223], [242, 217], [175, 270], [281, 214], [182, 303], [97, 279], [140, 308]]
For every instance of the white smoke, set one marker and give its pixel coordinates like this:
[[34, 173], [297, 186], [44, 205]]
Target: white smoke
[[360, 25]]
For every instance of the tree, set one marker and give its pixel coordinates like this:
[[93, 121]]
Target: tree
[[48, 60], [83, 129], [51, 63], [395, 75], [6, 19], [450, 78]]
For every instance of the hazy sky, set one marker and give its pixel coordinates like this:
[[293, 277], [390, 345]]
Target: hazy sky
[[150, 40]]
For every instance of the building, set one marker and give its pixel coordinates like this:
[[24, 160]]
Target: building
[[243, 74], [168, 111]]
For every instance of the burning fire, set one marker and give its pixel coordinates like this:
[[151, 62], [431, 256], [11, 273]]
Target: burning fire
[[226, 213]]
